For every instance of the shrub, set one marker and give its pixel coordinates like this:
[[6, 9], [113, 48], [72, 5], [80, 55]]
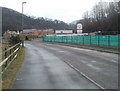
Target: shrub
[[14, 40]]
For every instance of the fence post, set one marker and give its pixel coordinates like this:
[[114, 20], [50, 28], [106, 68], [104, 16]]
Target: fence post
[[108, 41], [5, 57], [90, 39], [66, 39], [98, 40], [10, 54], [53, 38], [78, 40], [83, 39]]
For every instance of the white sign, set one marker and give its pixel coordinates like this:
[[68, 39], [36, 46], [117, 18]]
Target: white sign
[[79, 26]]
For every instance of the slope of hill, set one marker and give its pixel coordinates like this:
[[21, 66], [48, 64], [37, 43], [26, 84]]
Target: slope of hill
[[12, 20]]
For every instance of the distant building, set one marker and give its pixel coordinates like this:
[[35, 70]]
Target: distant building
[[63, 31], [9, 33], [36, 32]]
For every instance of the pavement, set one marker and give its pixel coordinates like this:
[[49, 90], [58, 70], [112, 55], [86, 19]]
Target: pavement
[[98, 48], [53, 66]]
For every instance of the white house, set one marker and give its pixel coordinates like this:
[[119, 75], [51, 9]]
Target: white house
[[63, 31]]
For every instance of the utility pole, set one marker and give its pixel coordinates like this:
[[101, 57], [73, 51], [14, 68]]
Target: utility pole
[[22, 23]]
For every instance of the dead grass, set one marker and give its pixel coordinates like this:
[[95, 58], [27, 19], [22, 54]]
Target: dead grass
[[4, 45]]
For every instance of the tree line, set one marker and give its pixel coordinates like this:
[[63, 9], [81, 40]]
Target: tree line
[[104, 17]]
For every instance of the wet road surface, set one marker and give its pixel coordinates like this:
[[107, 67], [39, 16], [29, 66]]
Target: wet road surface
[[44, 68]]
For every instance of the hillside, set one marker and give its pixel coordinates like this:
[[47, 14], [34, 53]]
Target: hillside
[[12, 20]]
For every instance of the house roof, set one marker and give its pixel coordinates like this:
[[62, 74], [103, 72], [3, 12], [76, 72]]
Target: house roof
[[28, 30]]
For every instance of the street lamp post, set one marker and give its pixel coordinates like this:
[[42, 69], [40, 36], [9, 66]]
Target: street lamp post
[[22, 23]]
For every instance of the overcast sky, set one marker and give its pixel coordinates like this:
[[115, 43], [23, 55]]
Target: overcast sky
[[64, 10]]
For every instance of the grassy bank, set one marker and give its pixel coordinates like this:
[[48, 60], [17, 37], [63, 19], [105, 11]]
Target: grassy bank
[[10, 73]]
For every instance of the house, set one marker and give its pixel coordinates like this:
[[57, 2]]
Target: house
[[10, 33], [36, 32], [63, 31]]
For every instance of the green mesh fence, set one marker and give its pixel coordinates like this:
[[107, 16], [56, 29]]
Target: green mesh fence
[[89, 40]]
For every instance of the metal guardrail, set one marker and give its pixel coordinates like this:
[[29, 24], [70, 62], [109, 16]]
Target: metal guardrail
[[8, 56]]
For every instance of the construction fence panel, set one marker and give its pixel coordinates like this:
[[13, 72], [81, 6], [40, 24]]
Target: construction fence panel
[[104, 40], [94, 40], [114, 40], [108, 40], [80, 39]]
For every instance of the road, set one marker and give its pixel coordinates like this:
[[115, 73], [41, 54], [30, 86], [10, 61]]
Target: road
[[46, 67]]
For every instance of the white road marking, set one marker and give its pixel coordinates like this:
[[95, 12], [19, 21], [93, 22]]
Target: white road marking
[[80, 49], [114, 61], [85, 75], [61, 51], [93, 61], [90, 65]]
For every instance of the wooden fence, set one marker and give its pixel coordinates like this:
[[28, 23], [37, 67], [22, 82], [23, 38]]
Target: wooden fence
[[8, 55]]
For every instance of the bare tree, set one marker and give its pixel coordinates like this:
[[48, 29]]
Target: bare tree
[[104, 16]]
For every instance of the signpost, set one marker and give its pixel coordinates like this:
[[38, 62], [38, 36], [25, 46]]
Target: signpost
[[79, 28]]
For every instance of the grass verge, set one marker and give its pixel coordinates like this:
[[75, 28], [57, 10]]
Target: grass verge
[[10, 73]]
